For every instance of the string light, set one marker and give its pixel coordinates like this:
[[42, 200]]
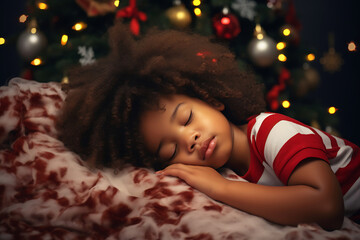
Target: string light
[[310, 57], [23, 18], [280, 46], [65, 80], [116, 3], [197, 12], [42, 5], [282, 57], [260, 36], [286, 32], [64, 39], [332, 110], [352, 47], [285, 104], [2, 41], [36, 62], [196, 3], [79, 26]]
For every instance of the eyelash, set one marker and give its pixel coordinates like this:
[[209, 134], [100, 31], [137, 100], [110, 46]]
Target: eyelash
[[174, 154], [187, 123], [189, 119]]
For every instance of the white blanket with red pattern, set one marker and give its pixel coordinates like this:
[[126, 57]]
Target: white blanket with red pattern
[[47, 192]]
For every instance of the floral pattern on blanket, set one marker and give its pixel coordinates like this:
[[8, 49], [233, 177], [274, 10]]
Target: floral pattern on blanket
[[48, 192]]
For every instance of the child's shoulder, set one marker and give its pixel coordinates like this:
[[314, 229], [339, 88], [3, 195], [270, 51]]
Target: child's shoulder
[[276, 122]]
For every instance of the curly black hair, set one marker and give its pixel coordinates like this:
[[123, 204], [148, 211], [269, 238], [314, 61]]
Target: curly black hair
[[100, 119]]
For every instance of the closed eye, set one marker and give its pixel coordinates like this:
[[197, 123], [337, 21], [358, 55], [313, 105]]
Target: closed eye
[[174, 154], [189, 119]]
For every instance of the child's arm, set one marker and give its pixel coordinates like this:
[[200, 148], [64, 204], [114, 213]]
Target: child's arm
[[313, 194]]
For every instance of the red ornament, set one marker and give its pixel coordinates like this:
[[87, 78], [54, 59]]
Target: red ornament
[[226, 26], [132, 12]]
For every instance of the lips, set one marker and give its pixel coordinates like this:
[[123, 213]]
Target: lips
[[207, 148]]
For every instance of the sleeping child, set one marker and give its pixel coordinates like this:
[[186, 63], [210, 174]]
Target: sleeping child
[[178, 103]]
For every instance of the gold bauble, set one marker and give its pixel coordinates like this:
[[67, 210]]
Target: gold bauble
[[179, 16], [331, 61], [309, 81]]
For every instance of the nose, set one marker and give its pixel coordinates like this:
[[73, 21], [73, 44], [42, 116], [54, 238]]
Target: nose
[[193, 140]]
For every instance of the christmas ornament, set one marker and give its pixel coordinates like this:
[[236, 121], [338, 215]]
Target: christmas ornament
[[331, 60], [309, 81], [275, 4], [97, 7], [245, 8], [132, 12], [178, 15], [87, 55], [31, 42], [262, 49], [273, 95], [226, 25]]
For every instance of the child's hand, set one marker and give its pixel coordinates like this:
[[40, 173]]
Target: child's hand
[[204, 179]]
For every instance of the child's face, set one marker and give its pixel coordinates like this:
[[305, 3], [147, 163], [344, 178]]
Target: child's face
[[189, 131]]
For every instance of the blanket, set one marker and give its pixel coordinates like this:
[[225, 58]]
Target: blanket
[[48, 191]]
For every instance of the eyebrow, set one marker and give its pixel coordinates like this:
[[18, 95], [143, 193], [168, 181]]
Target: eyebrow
[[173, 116]]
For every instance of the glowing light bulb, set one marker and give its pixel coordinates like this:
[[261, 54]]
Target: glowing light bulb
[[42, 6], [79, 26], [260, 36], [116, 3], [33, 30], [65, 80], [286, 32], [310, 57], [64, 39], [285, 104], [23, 18], [36, 62], [196, 3], [197, 12], [282, 57], [352, 47], [2, 41], [332, 110], [280, 45]]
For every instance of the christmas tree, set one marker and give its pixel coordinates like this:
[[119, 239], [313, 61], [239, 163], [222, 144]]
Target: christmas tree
[[263, 34]]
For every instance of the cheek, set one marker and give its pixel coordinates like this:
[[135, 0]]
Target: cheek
[[215, 120]]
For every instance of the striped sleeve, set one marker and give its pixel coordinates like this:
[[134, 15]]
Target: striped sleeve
[[284, 142]]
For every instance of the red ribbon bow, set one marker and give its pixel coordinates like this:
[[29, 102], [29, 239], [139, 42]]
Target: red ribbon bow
[[132, 12]]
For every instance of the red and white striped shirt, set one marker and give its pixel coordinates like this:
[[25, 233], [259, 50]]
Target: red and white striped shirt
[[279, 143]]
